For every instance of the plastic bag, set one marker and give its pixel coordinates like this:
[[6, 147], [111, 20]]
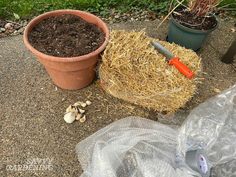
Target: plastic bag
[[212, 126], [137, 147], [131, 147]]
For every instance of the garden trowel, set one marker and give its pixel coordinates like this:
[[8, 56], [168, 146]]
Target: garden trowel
[[173, 60]]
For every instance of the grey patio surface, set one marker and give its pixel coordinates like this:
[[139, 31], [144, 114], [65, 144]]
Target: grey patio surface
[[32, 107]]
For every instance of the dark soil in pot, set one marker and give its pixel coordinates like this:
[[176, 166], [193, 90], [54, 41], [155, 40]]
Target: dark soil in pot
[[66, 36], [188, 19]]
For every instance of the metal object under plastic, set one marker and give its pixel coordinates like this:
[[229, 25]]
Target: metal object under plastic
[[137, 147], [198, 161]]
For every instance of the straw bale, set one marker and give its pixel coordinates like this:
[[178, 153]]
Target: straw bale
[[134, 71]]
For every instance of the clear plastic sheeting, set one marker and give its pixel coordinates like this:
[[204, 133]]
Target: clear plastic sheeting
[[212, 126], [137, 147], [131, 147], [225, 170]]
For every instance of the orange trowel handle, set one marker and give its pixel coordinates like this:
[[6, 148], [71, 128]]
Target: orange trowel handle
[[181, 67]]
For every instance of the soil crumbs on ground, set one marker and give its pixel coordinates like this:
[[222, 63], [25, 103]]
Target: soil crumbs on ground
[[66, 36]]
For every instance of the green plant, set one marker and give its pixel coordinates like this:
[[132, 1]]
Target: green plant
[[30, 8]]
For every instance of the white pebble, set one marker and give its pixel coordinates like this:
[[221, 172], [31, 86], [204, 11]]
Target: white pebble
[[2, 30], [69, 117], [88, 102], [9, 26]]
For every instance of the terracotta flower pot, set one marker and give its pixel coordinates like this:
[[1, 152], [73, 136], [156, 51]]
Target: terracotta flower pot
[[69, 72]]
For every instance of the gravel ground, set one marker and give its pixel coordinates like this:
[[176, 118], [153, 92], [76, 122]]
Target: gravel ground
[[31, 107]]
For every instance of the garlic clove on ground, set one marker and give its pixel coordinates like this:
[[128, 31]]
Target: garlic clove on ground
[[83, 105], [83, 119], [81, 111], [78, 117], [69, 109], [88, 102], [78, 103], [69, 117]]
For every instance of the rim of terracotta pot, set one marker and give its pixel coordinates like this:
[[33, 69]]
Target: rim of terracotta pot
[[41, 17]]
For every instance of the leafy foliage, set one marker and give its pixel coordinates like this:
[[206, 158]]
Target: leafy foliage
[[29, 8]]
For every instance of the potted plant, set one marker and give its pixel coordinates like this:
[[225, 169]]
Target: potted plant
[[68, 44], [190, 25]]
